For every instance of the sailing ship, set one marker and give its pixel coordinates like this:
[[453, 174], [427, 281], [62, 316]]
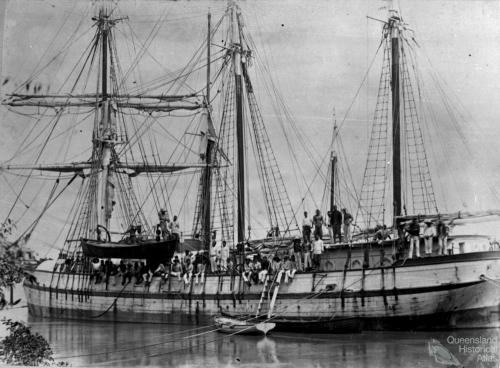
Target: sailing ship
[[359, 285]]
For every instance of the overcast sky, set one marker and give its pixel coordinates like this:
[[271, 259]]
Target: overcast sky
[[318, 52]]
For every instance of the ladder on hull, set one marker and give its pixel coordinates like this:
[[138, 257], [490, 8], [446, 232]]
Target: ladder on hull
[[269, 292], [276, 285], [262, 295]]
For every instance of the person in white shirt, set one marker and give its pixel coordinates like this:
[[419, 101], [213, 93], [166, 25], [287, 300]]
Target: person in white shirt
[[175, 228], [224, 255], [318, 249], [289, 269], [214, 255], [306, 228], [200, 271], [429, 234], [247, 271], [347, 225]]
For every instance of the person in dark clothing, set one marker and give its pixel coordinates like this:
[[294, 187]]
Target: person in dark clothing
[[132, 232], [335, 224], [306, 228], [414, 232], [158, 232], [137, 273], [318, 224], [297, 252], [108, 269], [127, 274]]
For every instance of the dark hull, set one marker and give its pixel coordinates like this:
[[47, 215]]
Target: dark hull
[[432, 322]]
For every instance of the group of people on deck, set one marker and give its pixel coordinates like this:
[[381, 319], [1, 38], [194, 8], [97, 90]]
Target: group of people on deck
[[336, 221], [184, 267], [167, 228], [126, 270], [258, 267], [254, 267], [414, 233]]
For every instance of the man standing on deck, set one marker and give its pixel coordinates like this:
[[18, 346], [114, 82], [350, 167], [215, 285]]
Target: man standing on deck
[[175, 228], [347, 225], [442, 234], [163, 217], [414, 232], [428, 237], [306, 228], [297, 252], [335, 224], [307, 256], [318, 224], [224, 255], [214, 253], [318, 248]]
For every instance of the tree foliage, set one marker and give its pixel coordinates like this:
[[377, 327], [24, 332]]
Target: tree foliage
[[11, 257], [22, 347], [11, 271]]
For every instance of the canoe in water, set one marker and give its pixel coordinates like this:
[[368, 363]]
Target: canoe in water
[[241, 327]]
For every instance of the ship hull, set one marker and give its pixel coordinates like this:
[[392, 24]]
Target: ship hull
[[429, 294]]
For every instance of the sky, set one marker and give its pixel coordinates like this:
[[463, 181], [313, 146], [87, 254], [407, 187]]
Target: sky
[[318, 53]]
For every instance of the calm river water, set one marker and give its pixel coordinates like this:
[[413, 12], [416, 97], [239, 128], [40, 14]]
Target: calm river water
[[91, 343]]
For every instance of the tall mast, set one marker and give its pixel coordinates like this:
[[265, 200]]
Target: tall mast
[[333, 163], [106, 132], [236, 44], [209, 37], [396, 122], [207, 172]]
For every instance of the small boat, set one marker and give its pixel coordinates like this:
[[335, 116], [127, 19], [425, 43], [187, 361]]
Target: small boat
[[242, 327], [150, 248]]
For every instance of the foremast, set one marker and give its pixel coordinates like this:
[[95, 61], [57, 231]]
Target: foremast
[[106, 168], [105, 134]]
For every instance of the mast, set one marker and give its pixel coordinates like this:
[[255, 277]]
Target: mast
[[105, 140], [207, 172], [333, 163], [239, 125], [396, 122]]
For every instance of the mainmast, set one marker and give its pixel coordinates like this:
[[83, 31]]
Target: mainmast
[[394, 22], [206, 180], [237, 51]]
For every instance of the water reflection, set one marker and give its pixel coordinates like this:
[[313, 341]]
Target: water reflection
[[108, 344]]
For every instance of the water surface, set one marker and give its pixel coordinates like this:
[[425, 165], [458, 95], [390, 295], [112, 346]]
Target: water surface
[[134, 344]]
